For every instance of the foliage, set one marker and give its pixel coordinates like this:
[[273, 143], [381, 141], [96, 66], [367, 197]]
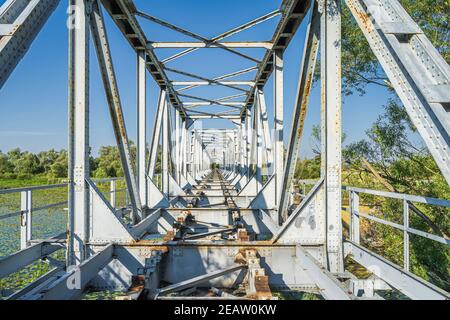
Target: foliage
[[393, 148], [360, 66], [402, 160], [52, 164], [25, 165], [308, 168]]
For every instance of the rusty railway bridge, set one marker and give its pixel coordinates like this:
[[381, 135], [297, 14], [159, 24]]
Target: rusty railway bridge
[[221, 217]]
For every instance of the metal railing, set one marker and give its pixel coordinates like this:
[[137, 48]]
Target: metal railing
[[355, 214], [113, 190], [27, 209], [407, 205]]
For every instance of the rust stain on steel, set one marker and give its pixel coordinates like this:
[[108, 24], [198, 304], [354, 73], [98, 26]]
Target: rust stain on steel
[[169, 235], [304, 105], [263, 291], [137, 283], [363, 17]]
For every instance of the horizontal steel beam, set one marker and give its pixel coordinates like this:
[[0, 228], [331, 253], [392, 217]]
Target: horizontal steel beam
[[209, 83], [401, 196], [22, 258], [229, 33], [211, 103], [204, 116], [217, 80], [207, 234], [199, 280], [165, 45]]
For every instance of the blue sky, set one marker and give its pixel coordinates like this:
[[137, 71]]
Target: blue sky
[[33, 103]]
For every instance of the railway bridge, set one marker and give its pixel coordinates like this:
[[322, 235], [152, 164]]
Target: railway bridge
[[219, 221]]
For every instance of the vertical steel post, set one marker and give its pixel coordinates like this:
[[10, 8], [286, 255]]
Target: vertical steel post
[[78, 144], [141, 126], [190, 152], [248, 148], [165, 149], [354, 217], [183, 148], [236, 151], [254, 141], [156, 134], [242, 147], [278, 125], [406, 265], [331, 117], [177, 146], [26, 207], [259, 146], [266, 130], [112, 190], [194, 155]]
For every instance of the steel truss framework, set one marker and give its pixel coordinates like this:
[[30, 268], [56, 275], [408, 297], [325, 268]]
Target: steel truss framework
[[222, 202]]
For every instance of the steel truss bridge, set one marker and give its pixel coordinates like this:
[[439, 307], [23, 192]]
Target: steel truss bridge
[[200, 229]]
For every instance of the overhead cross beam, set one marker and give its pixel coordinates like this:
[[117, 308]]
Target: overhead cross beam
[[293, 13], [227, 34], [222, 45], [122, 13], [188, 74], [212, 101], [221, 100], [218, 81], [205, 41]]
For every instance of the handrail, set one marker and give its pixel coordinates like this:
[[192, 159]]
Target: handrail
[[355, 214], [51, 186], [33, 188], [401, 196], [27, 208], [401, 227]]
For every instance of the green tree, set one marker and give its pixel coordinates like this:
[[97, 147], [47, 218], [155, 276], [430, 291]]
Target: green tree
[[108, 163], [6, 167], [58, 167], [27, 165], [393, 147], [360, 66]]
